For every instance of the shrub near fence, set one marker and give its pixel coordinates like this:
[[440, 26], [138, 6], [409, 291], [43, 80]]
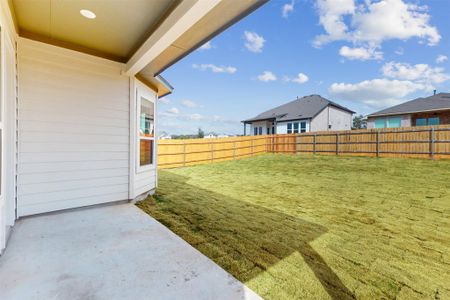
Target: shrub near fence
[[419, 142]]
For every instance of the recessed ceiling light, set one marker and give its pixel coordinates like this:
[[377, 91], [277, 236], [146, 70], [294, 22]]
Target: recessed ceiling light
[[87, 14]]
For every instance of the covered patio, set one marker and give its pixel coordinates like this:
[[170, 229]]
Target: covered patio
[[108, 252]]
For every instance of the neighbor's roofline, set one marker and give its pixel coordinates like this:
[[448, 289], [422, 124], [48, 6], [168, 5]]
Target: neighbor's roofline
[[330, 103], [270, 119], [406, 112]]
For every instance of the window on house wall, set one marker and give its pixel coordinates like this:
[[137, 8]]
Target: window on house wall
[[296, 127], [255, 131], [380, 123], [433, 121], [146, 131], [289, 127], [395, 122], [260, 130], [268, 130], [302, 126], [421, 122]]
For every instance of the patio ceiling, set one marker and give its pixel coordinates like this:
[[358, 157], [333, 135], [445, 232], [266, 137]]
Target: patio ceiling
[[119, 28], [148, 36]]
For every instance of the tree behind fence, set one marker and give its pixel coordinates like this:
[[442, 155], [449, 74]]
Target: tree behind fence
[[419, 142]]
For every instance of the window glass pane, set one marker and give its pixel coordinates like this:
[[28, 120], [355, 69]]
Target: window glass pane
[[380, 123], [433, 121], [146, 152], [421, 122], [395, 122], [255, 131], [295, 127], [303, 127], [260, 130], [147, 119]]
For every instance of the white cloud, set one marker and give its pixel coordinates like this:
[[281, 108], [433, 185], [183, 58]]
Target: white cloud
[[189, 103], [267, 76], [206, 46], [360, 53], [164, 100], [215, 69], [377, 92], [172, 112], [331, 17], [300, 79], [254, 42], [422, 73], [370, 23], [441, 58], [287, 9], [196, 117]]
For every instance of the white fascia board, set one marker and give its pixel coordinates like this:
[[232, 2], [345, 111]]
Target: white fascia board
[[185, 15]]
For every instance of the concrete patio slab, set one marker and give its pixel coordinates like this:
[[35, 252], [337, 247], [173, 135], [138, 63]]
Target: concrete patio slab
[[108, 252]]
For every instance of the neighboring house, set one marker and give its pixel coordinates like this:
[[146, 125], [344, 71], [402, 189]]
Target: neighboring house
[[165, 136], [310, 113], [79, 92], [433, 110], [213, 135]]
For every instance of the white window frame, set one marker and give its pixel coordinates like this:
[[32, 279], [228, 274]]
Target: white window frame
[[144, 92], [305, 128]]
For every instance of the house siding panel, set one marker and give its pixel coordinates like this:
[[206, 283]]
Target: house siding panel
[[338, 119], [73, 129]]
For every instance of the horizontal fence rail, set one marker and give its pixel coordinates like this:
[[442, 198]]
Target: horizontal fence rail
[[420, 142]]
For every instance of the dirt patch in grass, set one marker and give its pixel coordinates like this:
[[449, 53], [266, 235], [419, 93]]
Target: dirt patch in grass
[[317, 227]]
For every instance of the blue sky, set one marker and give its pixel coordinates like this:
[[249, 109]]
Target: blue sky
[[365, 55]]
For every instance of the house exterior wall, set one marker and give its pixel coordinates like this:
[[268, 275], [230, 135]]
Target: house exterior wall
[[338, 119], [263, 124], [7, 124], [320, 121], [282, 126], [73, 129], [405, 121], [444, 116]]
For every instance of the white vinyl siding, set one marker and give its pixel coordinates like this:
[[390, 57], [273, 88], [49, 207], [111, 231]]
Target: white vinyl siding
[[73, 129], [332, 118]]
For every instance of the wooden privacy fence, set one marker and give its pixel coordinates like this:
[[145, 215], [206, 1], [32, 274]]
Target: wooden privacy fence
[[420, 142], [178, 153]]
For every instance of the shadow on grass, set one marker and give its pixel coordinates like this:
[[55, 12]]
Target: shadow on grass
[[244, 239]]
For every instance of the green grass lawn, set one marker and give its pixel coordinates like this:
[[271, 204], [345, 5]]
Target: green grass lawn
[[317, 227]]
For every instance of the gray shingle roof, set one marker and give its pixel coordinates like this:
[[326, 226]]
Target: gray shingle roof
[[304, 108], [436, 102]]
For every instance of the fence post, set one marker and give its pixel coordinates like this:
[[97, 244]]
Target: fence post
[[314, 143], [234, 150], [378, 143], [432, 143], [212, 151], [251, 154], [184, 153], [273, 144], [337, 143]]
